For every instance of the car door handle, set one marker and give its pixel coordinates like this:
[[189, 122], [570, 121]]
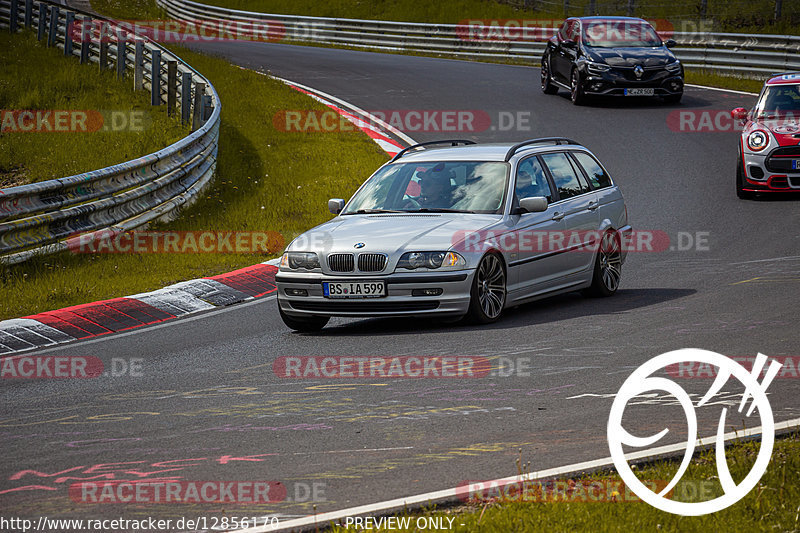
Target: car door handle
[[592, 206], [558, 216]]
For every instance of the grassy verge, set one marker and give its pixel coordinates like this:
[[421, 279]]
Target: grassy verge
[[726, 15], [27, 157], [773, 505], [267, 180]]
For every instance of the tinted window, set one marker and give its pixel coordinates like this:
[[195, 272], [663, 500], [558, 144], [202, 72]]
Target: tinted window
[[531, 180], [564, 175], [597, 175]]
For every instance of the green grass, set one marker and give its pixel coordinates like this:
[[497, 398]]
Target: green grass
[[773, 505], [267, 180], [726, 15], [59, 83], [711, 79]]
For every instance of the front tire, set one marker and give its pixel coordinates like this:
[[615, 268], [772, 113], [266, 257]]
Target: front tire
[[607, 266], [303, 324], [576, 93], [547, 80], [673, 98], [740, 192], [488, 293]]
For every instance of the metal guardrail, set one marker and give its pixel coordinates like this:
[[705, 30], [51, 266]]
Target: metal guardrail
[[744, 55], [45, 217]]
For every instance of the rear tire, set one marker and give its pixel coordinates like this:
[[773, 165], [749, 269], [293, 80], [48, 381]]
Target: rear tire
[[740, 192], [488, 293], [303, 324], [547, 81], [607, 267]]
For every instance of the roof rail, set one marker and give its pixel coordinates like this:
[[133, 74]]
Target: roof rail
[[451, 142], [556, 140]]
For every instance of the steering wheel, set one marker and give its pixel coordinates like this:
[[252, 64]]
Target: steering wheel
[[411, 203]]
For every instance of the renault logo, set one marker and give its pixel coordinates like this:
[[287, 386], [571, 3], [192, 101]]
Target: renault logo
[[359, 245], [638, 70]]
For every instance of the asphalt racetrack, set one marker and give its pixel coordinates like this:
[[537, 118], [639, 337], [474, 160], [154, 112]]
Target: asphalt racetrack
[[207, 405]]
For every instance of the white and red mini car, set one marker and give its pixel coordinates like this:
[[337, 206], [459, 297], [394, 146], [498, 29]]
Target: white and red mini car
[[769, 148]]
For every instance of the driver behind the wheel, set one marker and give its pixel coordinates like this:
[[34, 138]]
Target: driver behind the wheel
[[436, 188]]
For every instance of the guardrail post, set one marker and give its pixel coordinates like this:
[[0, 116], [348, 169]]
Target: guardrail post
[[197, 115], [172, 86], [155, 77], [122, 57], [86, 38], [103, 62], [51, 39], [12, 20], [138, 66], [778, 6], [631, 6], [208, 108], [566, 8], [68, 29], [42, 22], [186, 97], [28, 13]]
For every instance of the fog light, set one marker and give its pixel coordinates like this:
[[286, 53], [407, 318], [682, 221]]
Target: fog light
[[426, 292], [296, 292], [756, 172]]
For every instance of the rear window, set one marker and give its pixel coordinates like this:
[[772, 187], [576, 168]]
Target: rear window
[[597, 176], [564, 175]]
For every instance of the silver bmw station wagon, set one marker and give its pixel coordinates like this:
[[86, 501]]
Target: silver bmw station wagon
[[458, 229]]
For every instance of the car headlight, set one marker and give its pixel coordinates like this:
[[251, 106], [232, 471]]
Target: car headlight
[[431, 260], [299, 260], [757, 140], [597, 68], [674, 66]]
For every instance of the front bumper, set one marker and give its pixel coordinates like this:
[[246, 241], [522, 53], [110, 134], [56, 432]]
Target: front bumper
[[614, 82], [399, 301], [761, 176]]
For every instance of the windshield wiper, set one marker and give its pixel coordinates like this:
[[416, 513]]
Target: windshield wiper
[[437, 210], [372, 211]]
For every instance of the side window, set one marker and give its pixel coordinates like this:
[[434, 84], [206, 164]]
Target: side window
[[562, 31], [573, 31], [564, 175], [531, 180], [597, 175]]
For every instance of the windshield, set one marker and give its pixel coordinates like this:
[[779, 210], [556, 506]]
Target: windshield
[[620, 34], [779, 100], [435, 187]]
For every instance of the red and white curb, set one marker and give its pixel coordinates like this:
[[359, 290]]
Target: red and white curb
[[378, 130], [85, 321]]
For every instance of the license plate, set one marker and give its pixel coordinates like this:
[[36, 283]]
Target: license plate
[[795, 164], [354, 289], [640, 92]]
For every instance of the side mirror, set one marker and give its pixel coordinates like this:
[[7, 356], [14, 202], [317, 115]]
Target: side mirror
[[535, 204], [335, 205], [739, 113], [670, 43]]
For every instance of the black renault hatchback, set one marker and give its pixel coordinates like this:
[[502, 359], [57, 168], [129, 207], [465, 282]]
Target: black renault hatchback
[[611, 56]]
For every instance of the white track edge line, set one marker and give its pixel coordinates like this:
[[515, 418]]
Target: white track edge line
[[430, 497], [348, 105]]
